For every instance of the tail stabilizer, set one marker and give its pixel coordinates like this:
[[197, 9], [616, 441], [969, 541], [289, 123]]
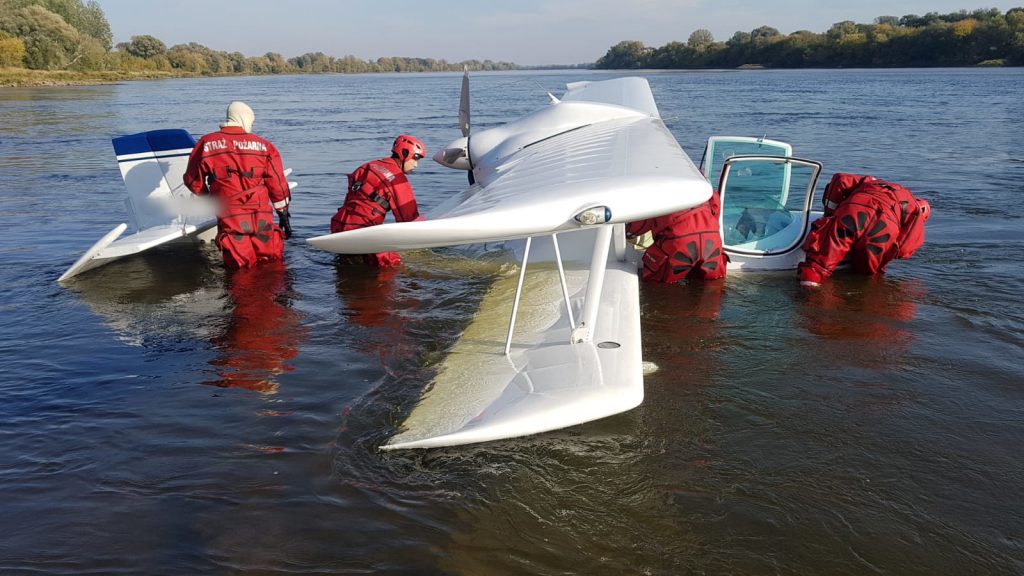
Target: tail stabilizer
[[152, 165]]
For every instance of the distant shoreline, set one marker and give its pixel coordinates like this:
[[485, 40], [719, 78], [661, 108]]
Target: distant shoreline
[[25, 78]]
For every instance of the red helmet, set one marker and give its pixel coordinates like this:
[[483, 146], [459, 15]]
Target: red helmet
[[406, 147]]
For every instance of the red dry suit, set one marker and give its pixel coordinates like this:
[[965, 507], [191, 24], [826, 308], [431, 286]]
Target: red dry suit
[[243, 173], [373, 189], [687, 244], [871, 220]]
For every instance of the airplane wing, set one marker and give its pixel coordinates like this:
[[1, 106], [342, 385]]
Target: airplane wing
[[548, 380], [537, 174], [566, 178], [632, 93]]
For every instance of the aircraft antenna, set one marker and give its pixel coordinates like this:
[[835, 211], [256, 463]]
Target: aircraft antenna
[[551, 96]]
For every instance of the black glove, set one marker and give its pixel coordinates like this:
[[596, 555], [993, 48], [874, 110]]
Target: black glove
[[285, 221]]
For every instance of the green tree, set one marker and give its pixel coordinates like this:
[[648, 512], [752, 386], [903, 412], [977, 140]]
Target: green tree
[[239, 63], [801, 48], [672, 55], [185, 58], [764, 33], [841, 29], [700, 40], [1015, 33], [625, 55], [87, 18], [349, 64], [144, 46], [50, 42], [738, 39], [956, 39], [278, 65], [259, 65], [915, 21], [316, 62]]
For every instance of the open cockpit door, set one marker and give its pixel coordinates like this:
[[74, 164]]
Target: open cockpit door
[[721, 148], [766, 203]]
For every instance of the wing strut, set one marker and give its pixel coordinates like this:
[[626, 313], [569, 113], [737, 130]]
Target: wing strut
[[565, 288], [595, 284], [519, 293]]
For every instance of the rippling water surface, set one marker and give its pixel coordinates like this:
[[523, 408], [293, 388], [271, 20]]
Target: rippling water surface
[[159, 417]]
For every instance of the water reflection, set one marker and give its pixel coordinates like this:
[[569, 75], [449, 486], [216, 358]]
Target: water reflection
[[263, 333], [680, 326], [872, 313], [176, 295], [170, 294], [370, 299]]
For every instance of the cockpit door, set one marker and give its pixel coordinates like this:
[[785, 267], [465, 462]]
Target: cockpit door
[[766, 203], [721, 148]]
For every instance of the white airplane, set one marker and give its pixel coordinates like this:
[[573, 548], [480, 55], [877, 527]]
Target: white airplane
[[161, 209], [559, 344]]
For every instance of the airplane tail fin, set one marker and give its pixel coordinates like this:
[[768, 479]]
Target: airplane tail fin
[[152, 165]]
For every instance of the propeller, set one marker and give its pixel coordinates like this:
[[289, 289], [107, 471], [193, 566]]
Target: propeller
[[464, 103], [464, 119], [456, 155]]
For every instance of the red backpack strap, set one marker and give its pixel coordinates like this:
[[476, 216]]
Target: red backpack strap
[[383, 192], [378, 184]]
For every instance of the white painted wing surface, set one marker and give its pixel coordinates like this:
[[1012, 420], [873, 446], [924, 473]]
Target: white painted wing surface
[[631, 165], [113, 246], [546, 383], [630, 92]]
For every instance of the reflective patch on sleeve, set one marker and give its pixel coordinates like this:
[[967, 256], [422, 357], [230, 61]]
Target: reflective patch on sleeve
[[281, 204], [383, 172]]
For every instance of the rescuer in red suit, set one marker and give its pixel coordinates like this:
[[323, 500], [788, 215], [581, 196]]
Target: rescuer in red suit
[[870, 220], [687, 244], [379, 186], [243, 173]]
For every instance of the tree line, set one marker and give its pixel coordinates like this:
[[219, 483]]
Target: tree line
[[984, 37], [75, 35]]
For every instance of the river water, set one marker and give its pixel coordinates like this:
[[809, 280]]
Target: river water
[[159, 417]]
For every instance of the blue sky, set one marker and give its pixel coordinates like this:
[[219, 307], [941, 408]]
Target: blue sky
[[521, 31]]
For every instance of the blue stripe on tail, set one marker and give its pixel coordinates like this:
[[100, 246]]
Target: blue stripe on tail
[[153, 141]]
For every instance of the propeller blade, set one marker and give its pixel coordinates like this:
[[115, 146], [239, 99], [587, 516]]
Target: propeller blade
[[464, 103]]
